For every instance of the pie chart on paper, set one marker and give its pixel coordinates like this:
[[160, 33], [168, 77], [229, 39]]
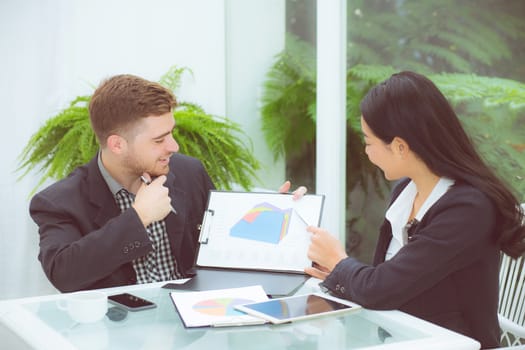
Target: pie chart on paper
[[220, 306]]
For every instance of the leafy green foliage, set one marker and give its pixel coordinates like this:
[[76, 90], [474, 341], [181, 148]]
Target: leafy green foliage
[[492, 111], [172, 78], [359, 80], [217, 142], [433, 36], [64, 142], [288, 113], [67, 141], [492, 92], [499, 135]]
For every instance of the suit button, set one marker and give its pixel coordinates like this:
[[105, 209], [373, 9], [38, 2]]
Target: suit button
[[131, 246], [342, 290], [125, 250], [337, 287], [137, 244]]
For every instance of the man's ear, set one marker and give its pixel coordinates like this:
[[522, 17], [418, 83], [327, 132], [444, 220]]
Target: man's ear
[[400, 147], [116, 144]]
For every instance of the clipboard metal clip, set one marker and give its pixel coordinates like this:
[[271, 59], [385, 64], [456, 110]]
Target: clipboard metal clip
[[206, 226]]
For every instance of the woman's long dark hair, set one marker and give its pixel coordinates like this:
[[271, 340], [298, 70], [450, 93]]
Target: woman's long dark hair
[[409, 105]]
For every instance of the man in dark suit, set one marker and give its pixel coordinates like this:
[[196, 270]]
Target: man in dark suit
[[103, 226], [132, 214]]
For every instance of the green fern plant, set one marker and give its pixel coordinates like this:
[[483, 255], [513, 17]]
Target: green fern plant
[[288, 112], [216, 142], [433, 36], [66, 141]]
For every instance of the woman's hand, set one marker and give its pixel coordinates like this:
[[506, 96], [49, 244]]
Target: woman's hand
[[317, 271], [325, 251], [297, 194]]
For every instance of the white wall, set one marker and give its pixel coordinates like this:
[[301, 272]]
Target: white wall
[[54, 50]]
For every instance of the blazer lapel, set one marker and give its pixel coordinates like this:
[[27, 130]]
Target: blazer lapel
[[175, 222], [100, 196]]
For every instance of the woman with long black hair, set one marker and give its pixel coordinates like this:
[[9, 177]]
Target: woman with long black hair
[[438, 251]]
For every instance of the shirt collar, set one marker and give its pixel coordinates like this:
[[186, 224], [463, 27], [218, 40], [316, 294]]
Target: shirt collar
[[441, 187], [113, 184], [397, 214], [399, 211]]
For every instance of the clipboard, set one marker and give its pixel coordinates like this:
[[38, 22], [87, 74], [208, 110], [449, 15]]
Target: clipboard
[[249, 238], [259, 231]]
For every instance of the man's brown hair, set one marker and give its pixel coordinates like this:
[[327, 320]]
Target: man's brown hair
[[122, 100]]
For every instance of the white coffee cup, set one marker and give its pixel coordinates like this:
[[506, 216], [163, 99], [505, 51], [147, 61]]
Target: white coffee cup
[[85, 306]]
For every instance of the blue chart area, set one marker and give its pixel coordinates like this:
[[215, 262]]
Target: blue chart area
[[264, 223]]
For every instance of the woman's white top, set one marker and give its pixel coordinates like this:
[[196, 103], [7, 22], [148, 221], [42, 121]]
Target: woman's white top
[[399, 211]]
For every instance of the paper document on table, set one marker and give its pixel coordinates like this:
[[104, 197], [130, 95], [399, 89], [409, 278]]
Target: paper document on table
[[265, 231], [216, 308]]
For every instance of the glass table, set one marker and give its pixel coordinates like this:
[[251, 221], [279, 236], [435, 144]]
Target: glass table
[[38, 323]]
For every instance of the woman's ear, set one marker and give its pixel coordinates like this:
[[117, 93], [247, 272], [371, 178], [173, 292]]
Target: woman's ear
[[400, 147]]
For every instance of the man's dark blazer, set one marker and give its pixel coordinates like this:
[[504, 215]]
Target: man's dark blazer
[[446, 274], [87, 243]]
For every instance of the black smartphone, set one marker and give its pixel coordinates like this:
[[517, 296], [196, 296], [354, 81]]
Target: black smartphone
[[130, 302]]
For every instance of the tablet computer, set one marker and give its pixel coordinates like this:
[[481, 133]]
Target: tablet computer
[[298, 307]]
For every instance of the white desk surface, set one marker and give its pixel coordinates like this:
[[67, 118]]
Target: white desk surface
[[38, 322]]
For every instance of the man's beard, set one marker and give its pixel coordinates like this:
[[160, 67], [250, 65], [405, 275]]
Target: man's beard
[[136, 167]]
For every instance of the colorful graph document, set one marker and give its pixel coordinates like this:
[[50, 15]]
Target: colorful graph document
[[216, 308], [264, 231]]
